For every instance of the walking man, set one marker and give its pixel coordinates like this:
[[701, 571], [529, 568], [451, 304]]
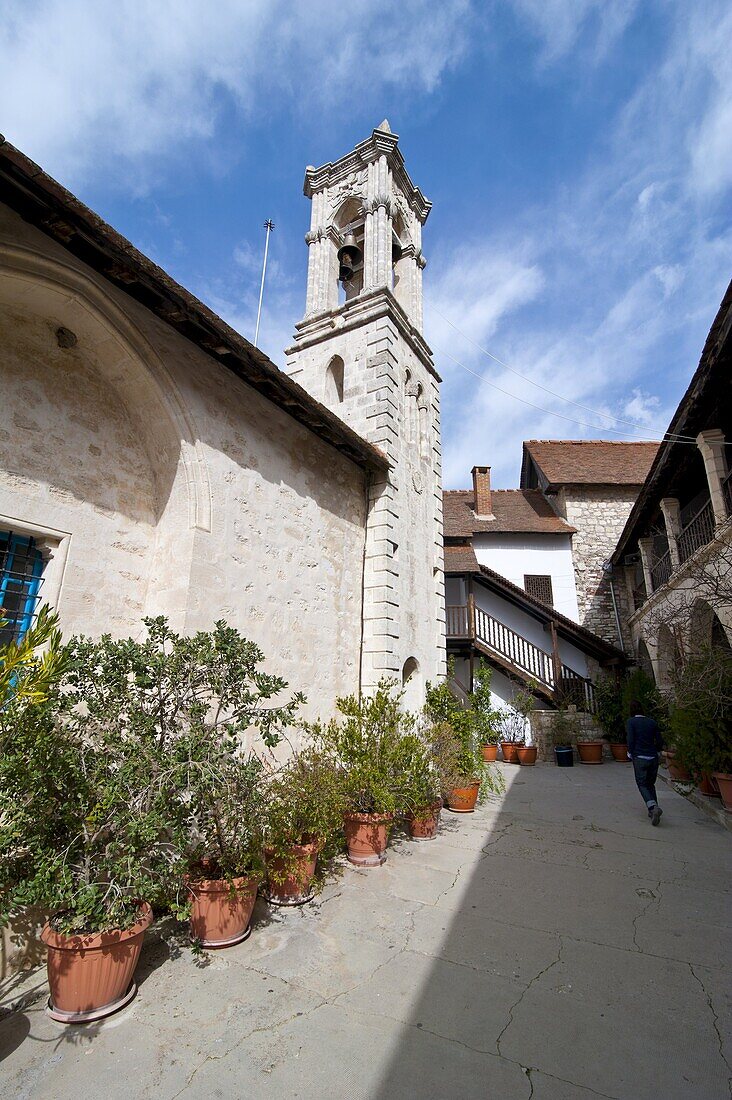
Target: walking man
[[644, 744]]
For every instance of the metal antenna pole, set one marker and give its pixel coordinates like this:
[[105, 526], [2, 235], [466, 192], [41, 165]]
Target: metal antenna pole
[[269, 226]]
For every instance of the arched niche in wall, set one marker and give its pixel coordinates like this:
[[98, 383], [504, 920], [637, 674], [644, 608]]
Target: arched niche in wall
[[412, 684], [334, 381], [123, 479]]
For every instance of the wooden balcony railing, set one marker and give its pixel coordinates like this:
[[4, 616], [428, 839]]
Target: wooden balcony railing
[[457, 621], [698, 532], [522, 654]]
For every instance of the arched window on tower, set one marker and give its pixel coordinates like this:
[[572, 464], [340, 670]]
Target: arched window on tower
[[400, 263], [424, 427], [334, 381]]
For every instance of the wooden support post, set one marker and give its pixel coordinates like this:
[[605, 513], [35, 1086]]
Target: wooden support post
[[556, 659], [471, 609]]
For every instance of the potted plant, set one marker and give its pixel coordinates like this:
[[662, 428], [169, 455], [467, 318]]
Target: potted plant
[[485, 715], [513, 722], [455, 739], [365, 743], [304, 817], [79, 832], [564, 731], [421, 785], [176, 711], [701, 722], [611, 716]]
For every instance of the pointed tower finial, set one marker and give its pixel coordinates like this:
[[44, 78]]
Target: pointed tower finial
[[384, 126]]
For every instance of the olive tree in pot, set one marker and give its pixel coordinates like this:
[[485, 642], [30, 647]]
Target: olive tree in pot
[[421, 785], [303, 826], [486, 718], [367, 744], [80, 831], [513, 722], [455, 740], [611, 716], [701, 719], [564, 732]]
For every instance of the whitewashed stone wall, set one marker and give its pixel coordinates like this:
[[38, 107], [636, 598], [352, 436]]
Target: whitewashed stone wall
[[599, 512], [161, 483]]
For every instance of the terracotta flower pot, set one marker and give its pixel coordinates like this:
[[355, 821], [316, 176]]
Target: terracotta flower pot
[[91, 976], [461, 800], [620, 752], [590, 752], [490, 753], [526, 755], [677, 772], [289, 879], [366, 838], [221, 910], [724, 782], [423, 825], [706, 786], [508, 749]]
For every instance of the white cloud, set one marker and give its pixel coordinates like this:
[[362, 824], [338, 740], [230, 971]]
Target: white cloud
[[87, 85], [642, 407], [560, 24]]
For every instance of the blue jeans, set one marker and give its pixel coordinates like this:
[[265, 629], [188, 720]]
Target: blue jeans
[[645, 776]]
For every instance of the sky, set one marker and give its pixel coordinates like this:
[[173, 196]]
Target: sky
[[578, 154]]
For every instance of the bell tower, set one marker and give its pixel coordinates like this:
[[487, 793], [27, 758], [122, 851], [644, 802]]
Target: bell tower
[[360, 351]]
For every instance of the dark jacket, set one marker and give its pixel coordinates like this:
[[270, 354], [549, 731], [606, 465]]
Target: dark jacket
[[644, 736]]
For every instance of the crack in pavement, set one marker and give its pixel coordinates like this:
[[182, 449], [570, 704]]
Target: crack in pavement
[[516, 1004], [654, 899], [715, 1020]]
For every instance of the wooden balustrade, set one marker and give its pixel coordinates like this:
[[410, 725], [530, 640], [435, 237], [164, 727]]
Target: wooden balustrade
[[519, 652]]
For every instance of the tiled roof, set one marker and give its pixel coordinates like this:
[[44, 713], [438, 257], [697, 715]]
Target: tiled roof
[[521, 511], [592, 461], [461, 559]]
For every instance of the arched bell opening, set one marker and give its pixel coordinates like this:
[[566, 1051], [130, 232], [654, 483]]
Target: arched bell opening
[[349, 223]]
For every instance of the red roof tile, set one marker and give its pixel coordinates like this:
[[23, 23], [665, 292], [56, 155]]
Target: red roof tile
[[592, 461], [520, 511]]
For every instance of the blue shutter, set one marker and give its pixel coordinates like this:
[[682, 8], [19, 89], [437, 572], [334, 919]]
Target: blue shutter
[[21, 569]]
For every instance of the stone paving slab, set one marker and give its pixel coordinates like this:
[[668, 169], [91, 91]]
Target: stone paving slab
[[553, 946]]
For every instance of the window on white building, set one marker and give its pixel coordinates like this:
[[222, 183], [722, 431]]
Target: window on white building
[[540, 587]]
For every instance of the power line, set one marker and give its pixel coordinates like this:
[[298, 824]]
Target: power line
[[568, 401], [665, 436]]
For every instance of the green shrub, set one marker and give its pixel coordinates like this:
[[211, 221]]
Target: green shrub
[[146, 740], [701, 719], [369, 743]]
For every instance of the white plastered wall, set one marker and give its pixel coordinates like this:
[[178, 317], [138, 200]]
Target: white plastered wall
[[164, 484]]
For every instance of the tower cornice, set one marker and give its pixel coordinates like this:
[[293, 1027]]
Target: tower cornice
[[380, 143], [364, 309]]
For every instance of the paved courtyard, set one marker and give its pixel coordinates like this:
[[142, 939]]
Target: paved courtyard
[[552, 946]]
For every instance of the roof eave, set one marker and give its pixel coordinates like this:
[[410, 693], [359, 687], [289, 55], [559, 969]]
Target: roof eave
[[44, 203]]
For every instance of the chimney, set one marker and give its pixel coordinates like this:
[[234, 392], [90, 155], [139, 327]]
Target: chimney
[[482, 490]]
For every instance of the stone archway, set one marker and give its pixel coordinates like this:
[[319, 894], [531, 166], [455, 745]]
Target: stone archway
[[149, 469]]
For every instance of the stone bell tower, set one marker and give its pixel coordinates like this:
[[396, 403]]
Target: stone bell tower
[[360, 351]]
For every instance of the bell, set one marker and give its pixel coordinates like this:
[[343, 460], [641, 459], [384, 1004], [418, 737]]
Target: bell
[[349, 256]]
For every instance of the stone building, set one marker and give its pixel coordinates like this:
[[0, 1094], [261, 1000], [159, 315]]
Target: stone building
[[593, 485], [511, 599], [152, 461], [675, 551]]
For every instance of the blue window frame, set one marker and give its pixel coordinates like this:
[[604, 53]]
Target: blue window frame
[[21, 569]]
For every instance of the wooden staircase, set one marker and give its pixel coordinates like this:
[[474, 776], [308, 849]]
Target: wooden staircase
[[519, 658]]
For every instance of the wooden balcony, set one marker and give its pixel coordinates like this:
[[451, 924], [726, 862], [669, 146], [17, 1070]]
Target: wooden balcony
[[519, 657]]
